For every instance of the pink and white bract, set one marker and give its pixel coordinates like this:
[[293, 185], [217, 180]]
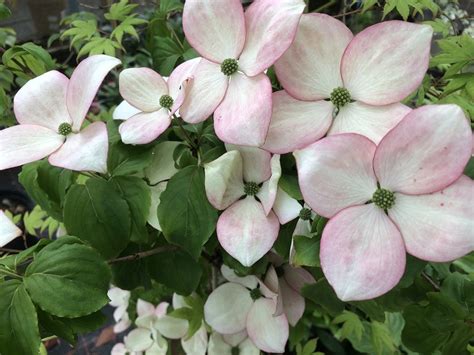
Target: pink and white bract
[[51, 109], [363, 76], [8, 230], [152, 101], [236, 49], [246, 304], [248, 227], [406, 195]]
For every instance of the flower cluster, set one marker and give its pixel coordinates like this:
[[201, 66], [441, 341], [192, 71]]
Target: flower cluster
[[244, 313], [388, 177]]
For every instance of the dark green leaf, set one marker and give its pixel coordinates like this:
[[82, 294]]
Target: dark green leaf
[[95, 212], [68, 279], [47, 185], [289, 184], [137, 194], [176, 270], [19, 332], [323, 294], [307, 250], [186, 217]]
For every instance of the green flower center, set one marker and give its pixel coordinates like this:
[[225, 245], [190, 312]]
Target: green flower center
[[166, 101], [65, 129], [305, 214], [229, 66], [340, 97], [251, 188], [383, 198], [255, 294]]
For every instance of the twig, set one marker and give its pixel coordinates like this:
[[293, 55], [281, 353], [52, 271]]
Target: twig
[[430, 280], [8, 250], [142, 254], [348, 13]]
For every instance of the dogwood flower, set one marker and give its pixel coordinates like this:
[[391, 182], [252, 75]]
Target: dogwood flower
[[145, 337], [248, 227], [236, 49], [51, 109], [362, 78], [247, 304], [151, 101], [405, 195], [286, 281], [222, 344], [194, 345], [8, 230], [119, 298]]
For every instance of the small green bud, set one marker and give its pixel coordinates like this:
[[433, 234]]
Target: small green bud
[[255, 294], [305, 214], [166, 101], [383, 198], [251, 188], [340, 97], [65, 129], [229, 66]]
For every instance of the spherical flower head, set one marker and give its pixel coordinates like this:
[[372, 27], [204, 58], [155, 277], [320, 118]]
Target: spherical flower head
[[340, 97], [305, 214], [383, 198], [229, 66], [251, 188], [166, 101], [65, 129]]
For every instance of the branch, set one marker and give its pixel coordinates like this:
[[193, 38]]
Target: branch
[[142, 254], [430, 280], [348, 13], [8, 250]]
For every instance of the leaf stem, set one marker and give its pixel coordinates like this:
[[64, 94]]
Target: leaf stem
[[186, 135], [430, 280], [142, 254], [11, 274]]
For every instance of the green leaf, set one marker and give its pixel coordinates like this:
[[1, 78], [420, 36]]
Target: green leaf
[[81, 31], [47, 186], [69, 328], [186, 217], [125, 159], [120, 10], [289, 184], [323, 294], [137, 194], [166, 52], [371, 309], [19, 332], [307, 250], [352, 325], [167, 6], [459, 340], [68, 279], [381, 338], [417, 335], [176, 270], [127, 27], [193, 313], [99, 45], [4, 12], [95, 212]]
